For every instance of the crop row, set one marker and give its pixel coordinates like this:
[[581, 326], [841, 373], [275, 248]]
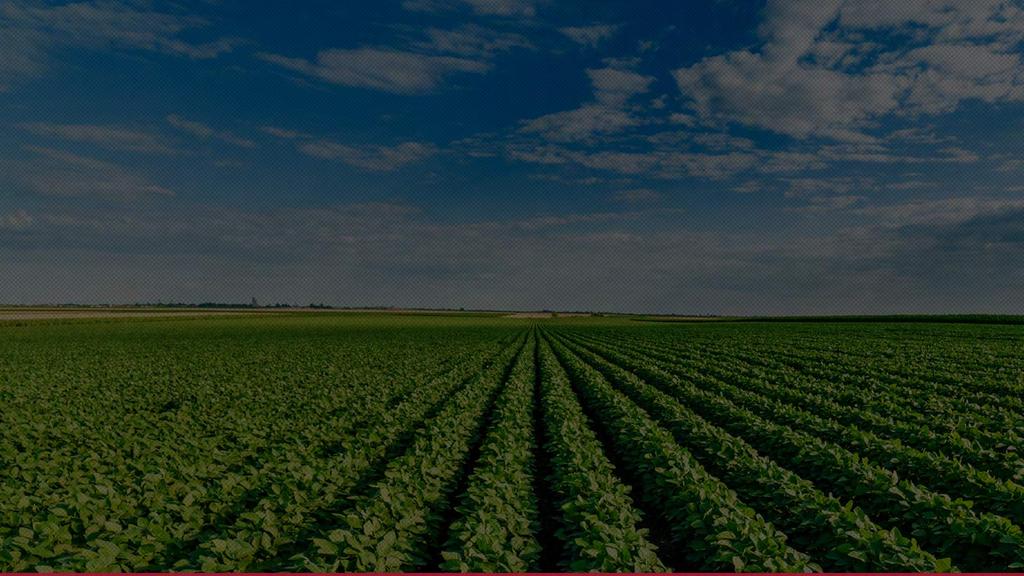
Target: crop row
[[705, 517], [837, 536], [945, 526], [811, 412], [391, 529], [144, 491], [934, 402], [926, 420], [327, 443]]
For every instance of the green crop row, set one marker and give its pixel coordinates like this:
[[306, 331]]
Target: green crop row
[[209, 436], [497, 526], [393, 528], [932, 403], [305, 491], [878, 413], [839, 537], [944, 526], [598, 524], [792, 405], [398, 442], [718, 531], [83, 505], [952, 411]]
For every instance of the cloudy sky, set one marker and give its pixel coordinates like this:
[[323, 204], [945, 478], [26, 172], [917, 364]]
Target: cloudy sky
[[721, 156]]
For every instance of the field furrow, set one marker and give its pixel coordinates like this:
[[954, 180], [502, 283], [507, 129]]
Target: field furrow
[[482, 442]]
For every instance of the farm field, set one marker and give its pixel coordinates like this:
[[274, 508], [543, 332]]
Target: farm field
[[394, 442]]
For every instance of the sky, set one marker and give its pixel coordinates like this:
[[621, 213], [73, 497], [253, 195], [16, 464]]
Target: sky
[[704, 157]]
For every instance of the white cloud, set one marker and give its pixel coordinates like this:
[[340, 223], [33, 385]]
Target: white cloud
[[780, 161], [605, 261], [471, 41], [383, 69], [372, 158], [60, 173], [880, 154], [701, 165], [663, 163], [749, 187], [375, 158], [16, 221], [614, 86], [205, 132], [815, 75], [112, 137], [909, 185], [823, 204], [943, 211], [415, 67], [636, 195], [719, 141], [504, 7], [943, 19], [1010, 165], [633, 163], [771, 89], [591, 35], [609, 113], [786, 97], [507, 8], [284, 133], [682, 119], [546, 155], [944, 75], [919, 135], [582, 123], [552, 221], [817, 188], [31, 31], [22, 53]]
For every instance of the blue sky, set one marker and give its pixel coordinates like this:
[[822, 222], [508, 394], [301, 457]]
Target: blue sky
[[692, 157]]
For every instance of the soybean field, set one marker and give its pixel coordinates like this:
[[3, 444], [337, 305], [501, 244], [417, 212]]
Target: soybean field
[[461, 442]]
